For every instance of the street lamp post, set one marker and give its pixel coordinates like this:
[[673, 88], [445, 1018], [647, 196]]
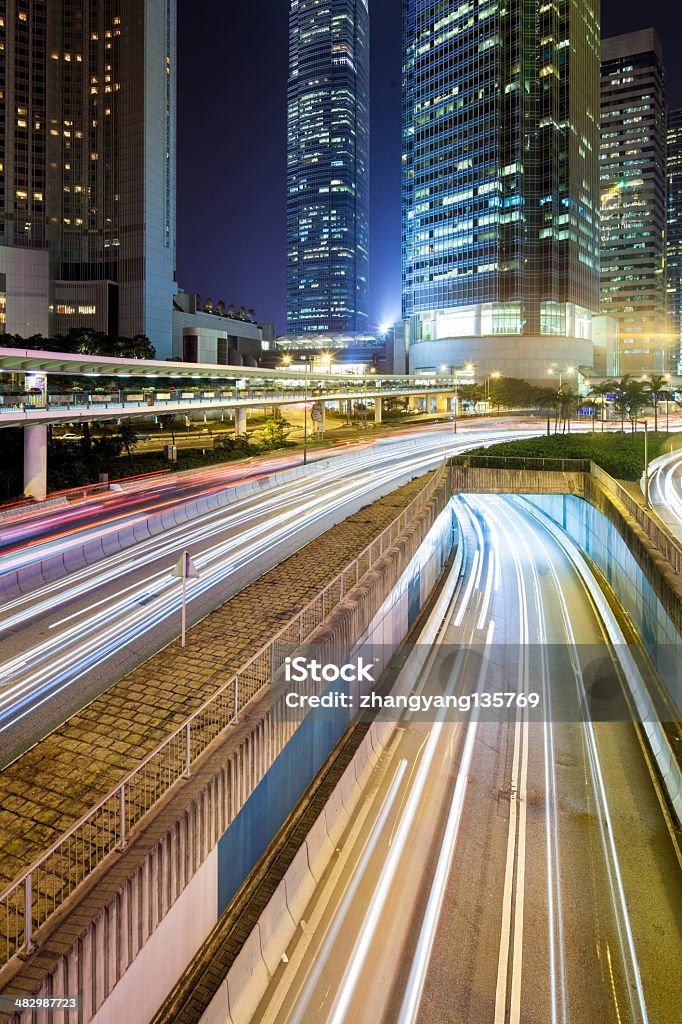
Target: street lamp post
[[453, 373], [305, 413], [569, 371], [286, 360], [494, 375]]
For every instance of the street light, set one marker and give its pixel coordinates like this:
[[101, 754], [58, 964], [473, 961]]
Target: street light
[[305, 410], [494, 375], [453, 373], [286, 360], [569, 371]]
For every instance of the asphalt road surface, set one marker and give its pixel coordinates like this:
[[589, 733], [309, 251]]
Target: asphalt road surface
[[516, 871]]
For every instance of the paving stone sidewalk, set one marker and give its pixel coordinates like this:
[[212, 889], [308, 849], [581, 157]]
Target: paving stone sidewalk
[[54, 783]]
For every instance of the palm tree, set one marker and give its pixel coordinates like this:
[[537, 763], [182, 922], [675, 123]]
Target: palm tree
[[251, 313], [621, 402], [636, 397], [547, 400], [599, 392], [566, 400], [656, 387], [220, 306]]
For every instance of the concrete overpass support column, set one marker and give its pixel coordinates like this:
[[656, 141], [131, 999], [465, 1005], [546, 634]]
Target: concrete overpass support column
[[341, 408], [322, 422], [378, 409], [442, 403], [35, 460], [240, 421]]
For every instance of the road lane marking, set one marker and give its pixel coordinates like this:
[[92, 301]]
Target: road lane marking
[[422, 956]]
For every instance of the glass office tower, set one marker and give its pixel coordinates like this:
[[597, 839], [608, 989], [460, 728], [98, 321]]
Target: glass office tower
[[87, 166], [328, 166], [500, 219], [634, 197], [674, 237]]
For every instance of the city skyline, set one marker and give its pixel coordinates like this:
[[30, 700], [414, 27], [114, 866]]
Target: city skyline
[[239, 248]]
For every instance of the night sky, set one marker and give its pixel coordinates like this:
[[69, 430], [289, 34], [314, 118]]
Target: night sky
[[232, 145]]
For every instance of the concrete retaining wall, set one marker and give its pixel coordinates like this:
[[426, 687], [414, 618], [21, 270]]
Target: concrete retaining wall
[[479, 480], [239, 995], [650, 593]]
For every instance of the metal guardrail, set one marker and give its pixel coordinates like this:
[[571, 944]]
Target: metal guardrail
[[521, 462], [666, 544], [161, 401], [42, 889]]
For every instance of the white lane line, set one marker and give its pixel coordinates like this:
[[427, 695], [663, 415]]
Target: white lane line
[[517, 962], [511, 930], [399, 839], [358, 956], [616, 888], [422, 956], [326, 950], [555, 921]]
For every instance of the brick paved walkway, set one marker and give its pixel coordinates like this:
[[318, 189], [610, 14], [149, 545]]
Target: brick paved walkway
[[52, 785]]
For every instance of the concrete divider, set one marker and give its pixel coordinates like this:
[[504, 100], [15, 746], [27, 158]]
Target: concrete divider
[[247, 980], [365, 764], [299, 884], [320, 847], [349, 789], [277, 928], [336, 816], [219, 1010]]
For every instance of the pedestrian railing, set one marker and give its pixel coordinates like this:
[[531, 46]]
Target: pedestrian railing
[[521, 463], [52, 878], [665, 542]]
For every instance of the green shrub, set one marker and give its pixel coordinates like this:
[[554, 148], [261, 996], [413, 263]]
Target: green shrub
[[621, 455]]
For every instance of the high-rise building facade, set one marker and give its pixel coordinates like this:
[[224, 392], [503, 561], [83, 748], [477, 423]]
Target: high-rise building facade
[[87, 177], [328, 166], [500, 239], [634, 197], [673, 244]]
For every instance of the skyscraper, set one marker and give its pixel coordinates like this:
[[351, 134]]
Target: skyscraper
[[633, 197], [328, 166], [500, 183], [673, 260], [87, 175]]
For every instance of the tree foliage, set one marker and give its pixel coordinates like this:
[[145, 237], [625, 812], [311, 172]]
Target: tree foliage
[[84, 342]]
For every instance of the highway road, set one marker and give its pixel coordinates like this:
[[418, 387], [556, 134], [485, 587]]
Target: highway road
[[665, 490], [69, 640], [505, 870]]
